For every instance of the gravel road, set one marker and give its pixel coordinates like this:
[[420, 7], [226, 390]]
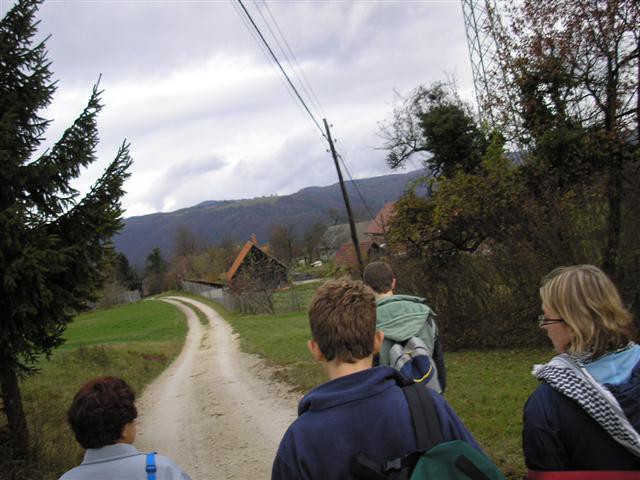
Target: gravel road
[[215, 411]]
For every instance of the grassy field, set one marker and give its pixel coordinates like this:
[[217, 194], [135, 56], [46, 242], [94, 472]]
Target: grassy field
[[487, 389], [135, 342]]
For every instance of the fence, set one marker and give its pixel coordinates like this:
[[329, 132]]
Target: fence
[[282, 301], [213, 291]]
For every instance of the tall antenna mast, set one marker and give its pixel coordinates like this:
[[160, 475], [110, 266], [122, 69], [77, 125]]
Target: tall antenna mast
[[484, 30]]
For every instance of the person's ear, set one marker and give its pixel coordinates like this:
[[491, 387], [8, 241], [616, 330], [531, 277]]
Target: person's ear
[[128, 433], [377, 341], [315, 351], [393, 284]]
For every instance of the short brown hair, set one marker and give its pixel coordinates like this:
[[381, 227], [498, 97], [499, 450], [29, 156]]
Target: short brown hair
[[342, 316], [588, 301], [100, 410], [379, 276]]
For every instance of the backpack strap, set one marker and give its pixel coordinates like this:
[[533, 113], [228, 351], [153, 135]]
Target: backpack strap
[[151, 468], [424, 416]]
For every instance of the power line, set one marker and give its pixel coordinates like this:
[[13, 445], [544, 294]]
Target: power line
[[303, 78], [355, 185], [280, 67], [295, 90], [270, 60]]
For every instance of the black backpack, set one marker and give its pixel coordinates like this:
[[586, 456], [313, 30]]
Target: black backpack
[[434, 459]]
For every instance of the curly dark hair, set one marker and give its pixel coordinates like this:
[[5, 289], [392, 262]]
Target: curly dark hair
[[100, 410]]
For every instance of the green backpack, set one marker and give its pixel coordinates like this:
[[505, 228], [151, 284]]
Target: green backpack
[[434, 459]]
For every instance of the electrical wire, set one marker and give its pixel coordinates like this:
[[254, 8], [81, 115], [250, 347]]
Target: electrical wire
[[295, 90], [274, 58], [269, 58], [302, 78]]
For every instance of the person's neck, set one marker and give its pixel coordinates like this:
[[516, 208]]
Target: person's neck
[[336, 369], [380, 296]]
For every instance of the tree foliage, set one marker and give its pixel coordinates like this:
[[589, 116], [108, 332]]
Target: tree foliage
[[434, 123], [577, 68], [284, 243], [53, 244], [479, 244]]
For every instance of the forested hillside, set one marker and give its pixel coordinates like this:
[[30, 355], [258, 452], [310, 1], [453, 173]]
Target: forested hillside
[[213, 221]]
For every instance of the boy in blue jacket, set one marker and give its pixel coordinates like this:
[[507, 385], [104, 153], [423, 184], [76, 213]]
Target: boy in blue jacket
[[360, 409]]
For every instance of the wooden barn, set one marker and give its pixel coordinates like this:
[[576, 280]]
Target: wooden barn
[[255, 269]]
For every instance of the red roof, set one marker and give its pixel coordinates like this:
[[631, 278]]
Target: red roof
[[236, 263], [346, 254], [380, 224]]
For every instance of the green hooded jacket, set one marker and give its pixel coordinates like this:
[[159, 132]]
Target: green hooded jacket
[[401, 317]]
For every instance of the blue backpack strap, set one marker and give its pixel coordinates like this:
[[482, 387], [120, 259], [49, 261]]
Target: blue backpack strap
[[151, 466]]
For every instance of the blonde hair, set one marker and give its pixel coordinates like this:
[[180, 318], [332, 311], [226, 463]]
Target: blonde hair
[[589, 303]]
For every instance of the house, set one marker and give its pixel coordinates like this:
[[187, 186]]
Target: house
[[346, 254], [334, 237], [372, 237], [255, 269], [379, 227]]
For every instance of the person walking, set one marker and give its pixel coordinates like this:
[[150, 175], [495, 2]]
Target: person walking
[[585, 414]]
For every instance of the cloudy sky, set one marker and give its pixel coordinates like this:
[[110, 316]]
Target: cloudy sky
[[209, 116]]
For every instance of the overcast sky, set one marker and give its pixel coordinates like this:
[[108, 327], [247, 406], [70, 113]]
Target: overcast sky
[[209, 116]]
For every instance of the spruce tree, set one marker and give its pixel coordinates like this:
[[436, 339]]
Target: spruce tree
[[53, 243]]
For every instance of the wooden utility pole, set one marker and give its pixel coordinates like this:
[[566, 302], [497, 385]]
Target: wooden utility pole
[[352, 225]]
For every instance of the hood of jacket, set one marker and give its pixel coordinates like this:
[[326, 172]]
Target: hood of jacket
[[401, 316], [615, 368], [356, 386]]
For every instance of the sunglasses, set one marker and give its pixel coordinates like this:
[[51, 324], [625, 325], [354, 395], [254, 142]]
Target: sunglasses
[[544, 321]]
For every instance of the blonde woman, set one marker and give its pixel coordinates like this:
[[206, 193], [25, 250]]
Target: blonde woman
[[585, 415]]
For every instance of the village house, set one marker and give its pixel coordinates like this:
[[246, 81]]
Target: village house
[[255, 269]]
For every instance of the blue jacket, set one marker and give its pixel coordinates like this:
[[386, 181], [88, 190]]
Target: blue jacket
[[559, 435], [362, 412]]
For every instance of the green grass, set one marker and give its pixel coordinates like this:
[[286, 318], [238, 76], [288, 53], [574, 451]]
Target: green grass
[[135, 342], [487, 389], [295, 298], [134, 323]]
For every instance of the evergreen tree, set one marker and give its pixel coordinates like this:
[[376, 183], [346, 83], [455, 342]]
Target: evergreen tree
[[53, 244]]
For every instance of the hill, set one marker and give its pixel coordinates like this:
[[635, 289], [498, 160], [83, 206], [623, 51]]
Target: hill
[[212, 221]]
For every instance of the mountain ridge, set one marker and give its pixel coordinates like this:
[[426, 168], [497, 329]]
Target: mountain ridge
[[213, 220]]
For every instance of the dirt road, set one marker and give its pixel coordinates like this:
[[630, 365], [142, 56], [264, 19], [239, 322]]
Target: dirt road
[[215, 411]]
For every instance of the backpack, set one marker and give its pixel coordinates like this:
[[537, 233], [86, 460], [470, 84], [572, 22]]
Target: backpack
[[414, 362], [434, 458]]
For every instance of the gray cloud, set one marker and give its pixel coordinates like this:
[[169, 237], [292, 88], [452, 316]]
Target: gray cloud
[[185, 80]]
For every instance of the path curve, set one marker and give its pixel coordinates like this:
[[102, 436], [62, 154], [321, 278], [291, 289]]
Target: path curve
[[215, 411]]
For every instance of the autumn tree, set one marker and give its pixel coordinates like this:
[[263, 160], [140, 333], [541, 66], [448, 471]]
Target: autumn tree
[[435, 125], [577, 68], [284, 243], [53, 243], [312, 239]]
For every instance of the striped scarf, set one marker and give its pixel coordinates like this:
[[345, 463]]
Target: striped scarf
[[569, 377]]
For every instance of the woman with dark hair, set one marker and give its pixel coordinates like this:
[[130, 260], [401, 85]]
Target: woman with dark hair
[[102, 418], [585, 415]]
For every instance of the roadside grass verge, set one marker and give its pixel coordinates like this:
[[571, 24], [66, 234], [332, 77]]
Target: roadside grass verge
[[487, 389], [296, 298], [135, 342]]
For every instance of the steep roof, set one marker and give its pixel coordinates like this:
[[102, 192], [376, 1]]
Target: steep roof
[[336, 235], [380, 224], [246, 248]]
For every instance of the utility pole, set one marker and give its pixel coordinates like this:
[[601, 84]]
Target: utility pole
[[352, 225]]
